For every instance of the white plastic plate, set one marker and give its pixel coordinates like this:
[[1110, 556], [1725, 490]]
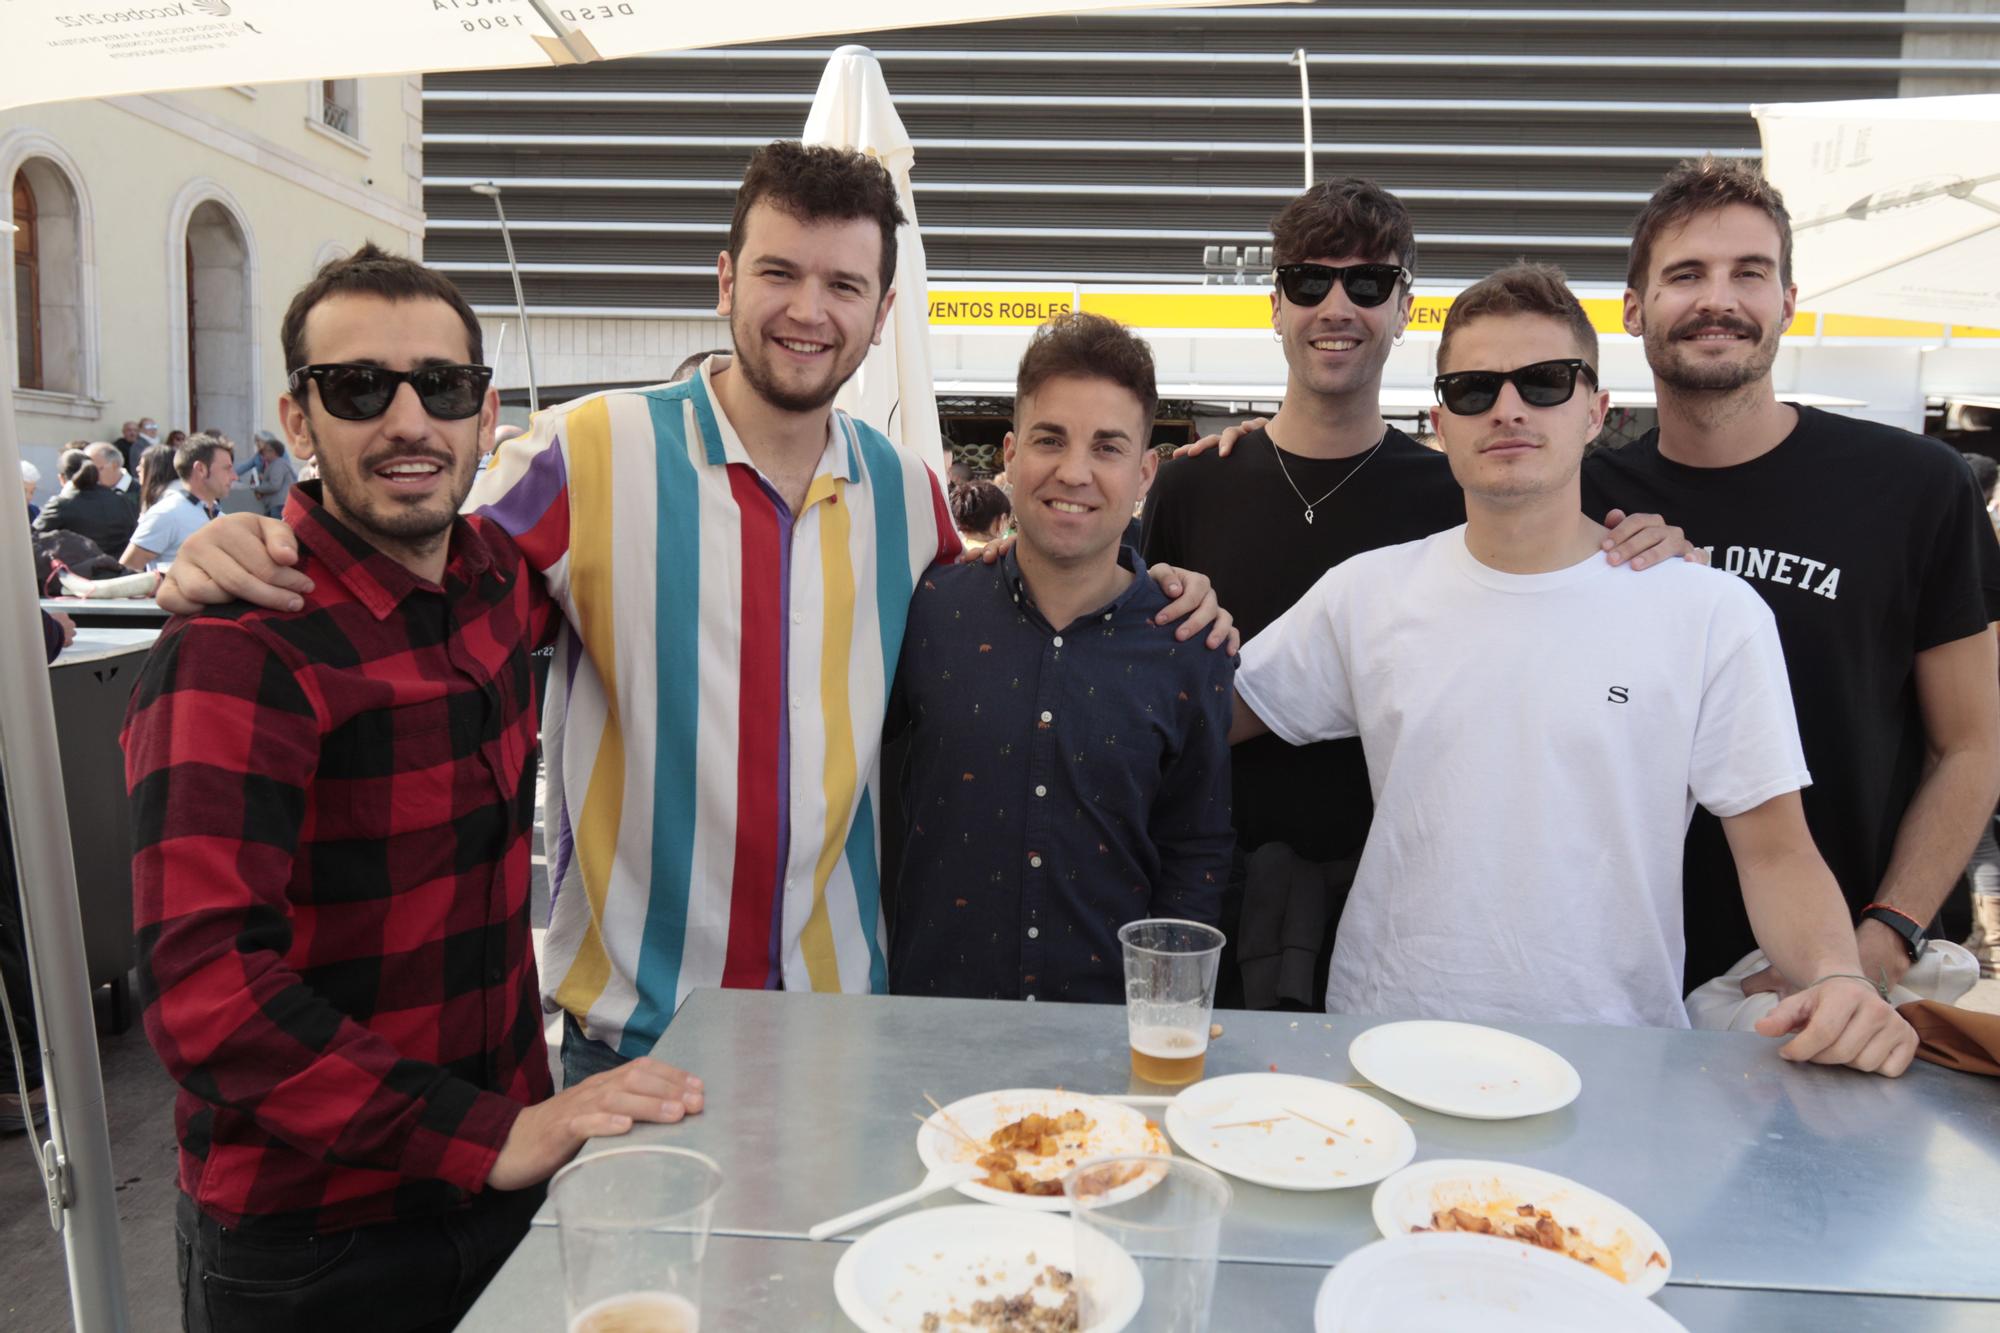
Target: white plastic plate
[[1463, 1069], [1302, 1133], [1117, 1131], [1408, 1199], [1448, 1284], [931, 1262]]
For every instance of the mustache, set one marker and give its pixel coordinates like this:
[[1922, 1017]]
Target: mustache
[[1726, 323]]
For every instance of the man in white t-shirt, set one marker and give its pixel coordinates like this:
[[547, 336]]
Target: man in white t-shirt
[[1540, 725]]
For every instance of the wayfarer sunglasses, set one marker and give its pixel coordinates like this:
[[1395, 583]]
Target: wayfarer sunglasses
[[362, 393], [1467, 393], [1367, 284]]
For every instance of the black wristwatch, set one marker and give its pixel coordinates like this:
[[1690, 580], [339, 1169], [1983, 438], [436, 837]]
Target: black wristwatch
[[1915, 937]]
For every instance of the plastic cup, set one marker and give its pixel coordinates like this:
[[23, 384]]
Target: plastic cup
[[633, 1223], [1165, 1215], [1170, 969]]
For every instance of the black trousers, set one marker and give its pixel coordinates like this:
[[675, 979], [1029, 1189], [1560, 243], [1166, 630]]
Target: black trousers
[[395, 1277]]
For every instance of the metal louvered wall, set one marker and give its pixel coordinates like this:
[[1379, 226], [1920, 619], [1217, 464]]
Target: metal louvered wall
[[1112, 149]]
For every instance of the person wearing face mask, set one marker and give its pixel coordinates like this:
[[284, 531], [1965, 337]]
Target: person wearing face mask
[[1500, 676]]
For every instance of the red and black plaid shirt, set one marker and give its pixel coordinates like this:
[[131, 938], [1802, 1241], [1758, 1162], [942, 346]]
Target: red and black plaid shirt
[[332, 814]]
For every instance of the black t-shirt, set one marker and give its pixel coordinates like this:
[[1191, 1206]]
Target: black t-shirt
[[1237, 521], [1870, 545]]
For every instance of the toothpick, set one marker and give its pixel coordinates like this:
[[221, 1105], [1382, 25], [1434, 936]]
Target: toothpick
[[1320, 1123], [949, 1129], [1239, 1124], [947, 1118]]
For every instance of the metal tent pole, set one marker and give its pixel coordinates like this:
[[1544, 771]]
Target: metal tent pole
[[492, 191], [77, 1155], [1300, 59]]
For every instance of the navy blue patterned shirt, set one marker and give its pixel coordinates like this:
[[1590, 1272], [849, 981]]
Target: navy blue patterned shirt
[[1060, 783]]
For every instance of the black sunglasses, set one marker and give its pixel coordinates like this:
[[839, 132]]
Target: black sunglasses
[[362, 393], [1367, 284], [1467, 393]]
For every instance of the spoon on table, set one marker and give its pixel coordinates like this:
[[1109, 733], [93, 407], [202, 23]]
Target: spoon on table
[[940, 1179]]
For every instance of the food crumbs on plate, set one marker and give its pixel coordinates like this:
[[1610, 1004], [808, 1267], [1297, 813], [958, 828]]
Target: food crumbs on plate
[[1298, 1159], [1329, 1143], [1214, 1031], [1651, 1259]]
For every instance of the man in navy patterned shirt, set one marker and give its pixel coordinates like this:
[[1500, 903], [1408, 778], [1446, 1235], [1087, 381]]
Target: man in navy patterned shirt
[[1068, 761]]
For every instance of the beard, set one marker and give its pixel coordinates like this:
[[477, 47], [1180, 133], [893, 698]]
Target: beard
[[755, 363], [419, 524], [1663, 355]]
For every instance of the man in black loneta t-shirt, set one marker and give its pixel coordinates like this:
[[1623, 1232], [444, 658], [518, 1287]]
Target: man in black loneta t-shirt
[[1326, 480], [1869, 544]]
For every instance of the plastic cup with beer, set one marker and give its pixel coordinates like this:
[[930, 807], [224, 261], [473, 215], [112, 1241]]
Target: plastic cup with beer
[[1162, 1215], [1170, 969], [633, 1223]]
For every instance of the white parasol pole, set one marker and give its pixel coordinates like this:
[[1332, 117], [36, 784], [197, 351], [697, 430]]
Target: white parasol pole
[[76, 1159]]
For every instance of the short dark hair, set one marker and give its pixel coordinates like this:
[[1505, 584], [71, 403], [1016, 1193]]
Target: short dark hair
[[815, 183], [198, 449], [1985, 473], [977, 505], [1697, 187], [372, 271], [1344, 216], [1090, 347], [1521, 289], [686, 369], [78, 469]]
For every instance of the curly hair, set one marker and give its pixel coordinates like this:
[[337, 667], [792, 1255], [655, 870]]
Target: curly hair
[[1694, 188], [1344, 216], [1087, 347], [815, 183], [1521, 289]]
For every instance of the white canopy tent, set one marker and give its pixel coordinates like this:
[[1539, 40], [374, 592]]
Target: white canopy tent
[[61, 50], [1895, 204], [892, 390]]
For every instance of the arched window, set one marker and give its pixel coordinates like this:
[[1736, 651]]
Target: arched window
[[27, 286]]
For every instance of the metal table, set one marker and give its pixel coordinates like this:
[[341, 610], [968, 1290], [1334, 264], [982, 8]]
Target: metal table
[[752, 1285], [109, 611], [1759, 1173]]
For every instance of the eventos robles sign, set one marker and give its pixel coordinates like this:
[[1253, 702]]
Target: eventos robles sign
[[999, 309]]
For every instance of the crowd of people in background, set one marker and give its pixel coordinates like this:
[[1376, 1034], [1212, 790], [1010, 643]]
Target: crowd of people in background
[[136, 497]]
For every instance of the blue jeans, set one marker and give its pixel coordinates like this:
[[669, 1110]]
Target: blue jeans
[[582, 1057]]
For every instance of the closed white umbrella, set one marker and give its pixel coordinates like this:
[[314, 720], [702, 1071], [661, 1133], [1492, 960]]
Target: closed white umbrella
[[892, 390], [1895, 204]]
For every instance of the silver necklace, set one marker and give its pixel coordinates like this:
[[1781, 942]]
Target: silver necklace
[[1314, 504]]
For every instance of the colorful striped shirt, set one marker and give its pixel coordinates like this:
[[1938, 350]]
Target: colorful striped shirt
[[715, 708]]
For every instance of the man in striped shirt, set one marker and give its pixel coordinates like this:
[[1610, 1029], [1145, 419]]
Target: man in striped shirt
[[730, 631]]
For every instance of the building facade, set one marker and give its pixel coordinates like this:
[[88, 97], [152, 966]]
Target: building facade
[[1092, 160], [158, 239]]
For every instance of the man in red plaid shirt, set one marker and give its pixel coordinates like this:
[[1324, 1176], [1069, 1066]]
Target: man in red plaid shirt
[[333, 811]]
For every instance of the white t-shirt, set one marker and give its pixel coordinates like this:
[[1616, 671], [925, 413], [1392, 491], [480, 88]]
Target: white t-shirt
[[1536, 745], [171, 520]]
